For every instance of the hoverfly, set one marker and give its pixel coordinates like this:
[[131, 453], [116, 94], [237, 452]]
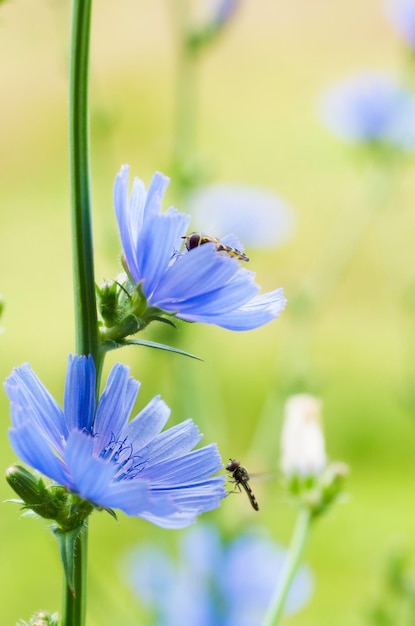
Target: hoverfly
[[197, 239], [240, 478]]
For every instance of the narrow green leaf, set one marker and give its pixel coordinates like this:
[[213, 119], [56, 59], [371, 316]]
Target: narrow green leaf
[[158, 346], [165, 320], [112, 513], [67, 540]]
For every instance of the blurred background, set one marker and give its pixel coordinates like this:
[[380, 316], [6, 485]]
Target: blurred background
[[346, 234]]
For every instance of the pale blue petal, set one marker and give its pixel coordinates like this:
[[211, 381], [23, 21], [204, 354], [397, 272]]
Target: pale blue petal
[[30, 445], [225, 299], [115, 405], [194, 466], [171, 443], [259, 311], [156, 247], [149, 237], [203, 496], [90, 476], [205, 278], [232, 240], [130, 496], [179, 519], [126, 223], [79, 398], [136, 207], [156, 190], [147, 424], [31, 400]]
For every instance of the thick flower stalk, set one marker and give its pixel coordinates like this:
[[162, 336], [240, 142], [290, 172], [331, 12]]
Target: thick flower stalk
[[314, 484], [94, 451], [197, 285]]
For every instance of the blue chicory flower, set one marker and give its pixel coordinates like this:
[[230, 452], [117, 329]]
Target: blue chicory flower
[[259, 217], [371, 107], [224, 11], [402, 15], [93, 450], [214, 583], [200, 285]]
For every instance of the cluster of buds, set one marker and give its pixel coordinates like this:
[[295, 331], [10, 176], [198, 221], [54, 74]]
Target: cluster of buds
[[309, 477], [124, 311], [42, 618]]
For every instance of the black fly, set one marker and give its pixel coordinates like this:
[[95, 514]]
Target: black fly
[[241, 478]]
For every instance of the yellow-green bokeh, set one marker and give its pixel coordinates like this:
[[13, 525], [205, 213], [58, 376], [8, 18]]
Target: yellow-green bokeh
[[257, 93]]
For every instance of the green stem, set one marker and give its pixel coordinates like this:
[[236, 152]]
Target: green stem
[[348, 232], [186, 104], [86, 323], [74, 605], [335, 256], [295, 553]]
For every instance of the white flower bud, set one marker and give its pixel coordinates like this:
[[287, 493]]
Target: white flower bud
[[302, 439]]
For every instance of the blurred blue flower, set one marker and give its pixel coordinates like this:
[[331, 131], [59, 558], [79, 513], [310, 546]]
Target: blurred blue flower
[[94, 451], [224, 11], [259, 218], [200, 285], [371, 107], [215, 583], [402, 15]]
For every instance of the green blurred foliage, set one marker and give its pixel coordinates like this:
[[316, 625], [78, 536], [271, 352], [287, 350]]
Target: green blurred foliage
[[257, 93]]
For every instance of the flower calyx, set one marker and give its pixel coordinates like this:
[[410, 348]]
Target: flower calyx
[[53, 502], [318, 492], [124, 311], [41, 618]]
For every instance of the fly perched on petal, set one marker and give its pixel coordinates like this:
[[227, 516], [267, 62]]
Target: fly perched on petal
[[198, 285], [94, 450]]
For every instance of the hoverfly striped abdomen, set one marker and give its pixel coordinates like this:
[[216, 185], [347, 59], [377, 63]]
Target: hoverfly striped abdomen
[[197, 239], [240, 478]]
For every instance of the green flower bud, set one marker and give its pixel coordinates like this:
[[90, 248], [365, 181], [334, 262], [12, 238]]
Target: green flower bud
[[41, 618], [53, 502], [108, 302], [124, 311], [34, 493], [314, 483]]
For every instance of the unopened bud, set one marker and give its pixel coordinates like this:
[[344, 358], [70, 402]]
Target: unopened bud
[[302, 439], [34, 494], [42, 618]]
